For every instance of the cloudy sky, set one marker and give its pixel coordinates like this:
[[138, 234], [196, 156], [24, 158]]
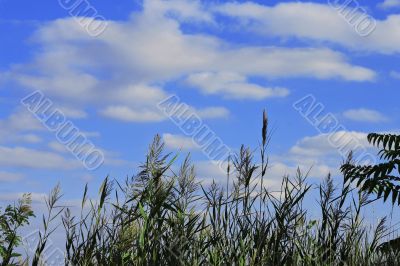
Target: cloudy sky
[[226, 60]]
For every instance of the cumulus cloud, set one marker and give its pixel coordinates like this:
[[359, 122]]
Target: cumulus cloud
[[178, 142], [123, 72], [277, 170], [37, 159], [208, 172], [232, 85], [12, 197], [212, 112], [128, 114], [10, 177], [388, 4], [319, 155], [365, 115], [72, 112], [330, 144], [318, 22], [111, 158], [324, 153], [395, 74], [22, 120], [18, 127], [182, 9], [58, 147], [315, 156]]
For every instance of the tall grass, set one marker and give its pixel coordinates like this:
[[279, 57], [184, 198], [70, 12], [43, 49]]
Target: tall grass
[[163, 216]]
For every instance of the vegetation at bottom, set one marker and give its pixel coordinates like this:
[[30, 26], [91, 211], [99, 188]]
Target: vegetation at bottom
[[163, 216]]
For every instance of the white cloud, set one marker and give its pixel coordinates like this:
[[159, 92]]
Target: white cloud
[[395, 74], [29, 138], [22, 120], [365, 115], [10, 177], [127, 114], [209, 171], [232, 85], [17, 127], [326, 152], [16, 130], [274, 62], [330, 144], [317, 155], [387, 4], [277, 170], [72, 112], [178, 142], [313, 21], [58, 147], [182, 9], [212, 112], [111, 158], [36, 197], [122, 72], [31, 158], [321, 154], [73, 87], [87, 178], [91, 134]]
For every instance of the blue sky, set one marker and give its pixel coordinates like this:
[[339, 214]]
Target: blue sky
[[227, 60]]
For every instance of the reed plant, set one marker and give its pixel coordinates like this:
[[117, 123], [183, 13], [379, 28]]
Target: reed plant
[[164, 216]]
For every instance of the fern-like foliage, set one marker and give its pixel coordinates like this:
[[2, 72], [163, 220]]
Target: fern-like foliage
[[383, 178]]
